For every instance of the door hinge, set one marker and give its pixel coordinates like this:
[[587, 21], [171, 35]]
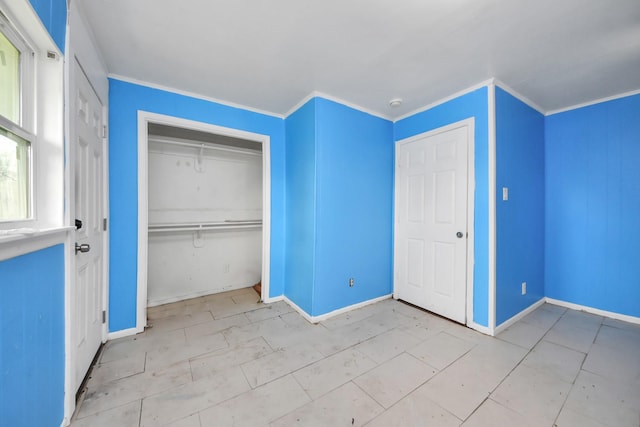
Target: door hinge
[[104, 224], [104, 316], [104, 131]]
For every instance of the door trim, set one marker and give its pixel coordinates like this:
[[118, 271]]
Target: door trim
[[469, 124], [144, 118]]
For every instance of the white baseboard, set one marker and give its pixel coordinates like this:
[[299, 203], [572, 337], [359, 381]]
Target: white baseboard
[[300, 311], [504, 325], [270, 300], [482, 329], [322, 317], [596, 311]]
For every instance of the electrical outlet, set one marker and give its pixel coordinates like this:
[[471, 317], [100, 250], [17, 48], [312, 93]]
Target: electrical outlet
[[226, 268], [505, 193], [524, 288], [352, 282]]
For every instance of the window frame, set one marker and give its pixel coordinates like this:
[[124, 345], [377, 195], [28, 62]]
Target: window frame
[[25, 128]]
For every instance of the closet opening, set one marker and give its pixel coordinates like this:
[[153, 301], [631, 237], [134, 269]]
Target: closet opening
[[204, 204]]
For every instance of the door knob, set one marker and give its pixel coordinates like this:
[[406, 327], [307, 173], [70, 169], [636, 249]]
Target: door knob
[[459, 234], [82, 248]]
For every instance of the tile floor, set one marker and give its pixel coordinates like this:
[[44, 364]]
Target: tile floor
[[227, 360]]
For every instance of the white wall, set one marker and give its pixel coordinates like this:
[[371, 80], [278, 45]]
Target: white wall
[[222, 186]]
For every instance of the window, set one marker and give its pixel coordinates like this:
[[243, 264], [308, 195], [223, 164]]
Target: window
[[15, 125], [9, 79]]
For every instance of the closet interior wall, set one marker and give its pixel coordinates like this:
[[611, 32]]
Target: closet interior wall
[[205, 215]]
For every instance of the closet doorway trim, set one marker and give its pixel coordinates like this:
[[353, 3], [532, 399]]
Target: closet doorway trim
[[144, 118]]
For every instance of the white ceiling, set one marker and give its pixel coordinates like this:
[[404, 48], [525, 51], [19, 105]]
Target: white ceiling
[[268, 55]]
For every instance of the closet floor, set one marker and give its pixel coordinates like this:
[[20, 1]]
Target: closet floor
[[228, 360]]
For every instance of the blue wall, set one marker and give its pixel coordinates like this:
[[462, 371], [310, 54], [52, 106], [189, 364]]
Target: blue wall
[[53, 14], [354, 218], [520, 220], [592, 238], [32, 339], [474, 104], [339, 206], [125, 100], [301, 205]]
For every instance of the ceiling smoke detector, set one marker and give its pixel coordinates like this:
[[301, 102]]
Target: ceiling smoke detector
[[395, 102]]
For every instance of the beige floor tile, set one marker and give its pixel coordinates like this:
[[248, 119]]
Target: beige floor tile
[[234, 305], [468, 334], [409, 310], [257, 407], [441, 350], [570, 418], [387, 345], [626, 340], [543, 319], [126, 347], [165, 356], [126, 390], [394, 379], [333, 371], [465, 384], [415, 410], [209, 328], [614, 323], [179, 308], [237, 334], [606, 401], [269, 311], [279, 363], [425, 327], [192, 397], [127, 415], [235, 355], [522, 334], [293, 334], [117, 369], [246, 298], [555, 360], [239, 291], [336, 340], [496, 357], [389, 319], [294, 318], [615, 364], [346, 406], [567, 335], [535, 395], [171, 323], [581, 319], [351, 317], [190, 421], [492, 414], [553, 308]]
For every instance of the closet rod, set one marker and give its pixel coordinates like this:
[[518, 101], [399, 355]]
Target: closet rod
[[227, 225], [208, 146]]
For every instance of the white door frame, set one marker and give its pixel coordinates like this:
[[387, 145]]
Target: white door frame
[[144, 118], [470, 125]]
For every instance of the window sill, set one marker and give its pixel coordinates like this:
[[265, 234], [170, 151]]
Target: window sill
[[22, 241]]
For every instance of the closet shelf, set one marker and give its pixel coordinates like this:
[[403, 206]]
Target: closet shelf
[[203, 146], [202, 226]]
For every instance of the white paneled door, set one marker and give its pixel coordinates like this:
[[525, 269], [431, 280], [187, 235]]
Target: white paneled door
[[431, 222], [87, 289]]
